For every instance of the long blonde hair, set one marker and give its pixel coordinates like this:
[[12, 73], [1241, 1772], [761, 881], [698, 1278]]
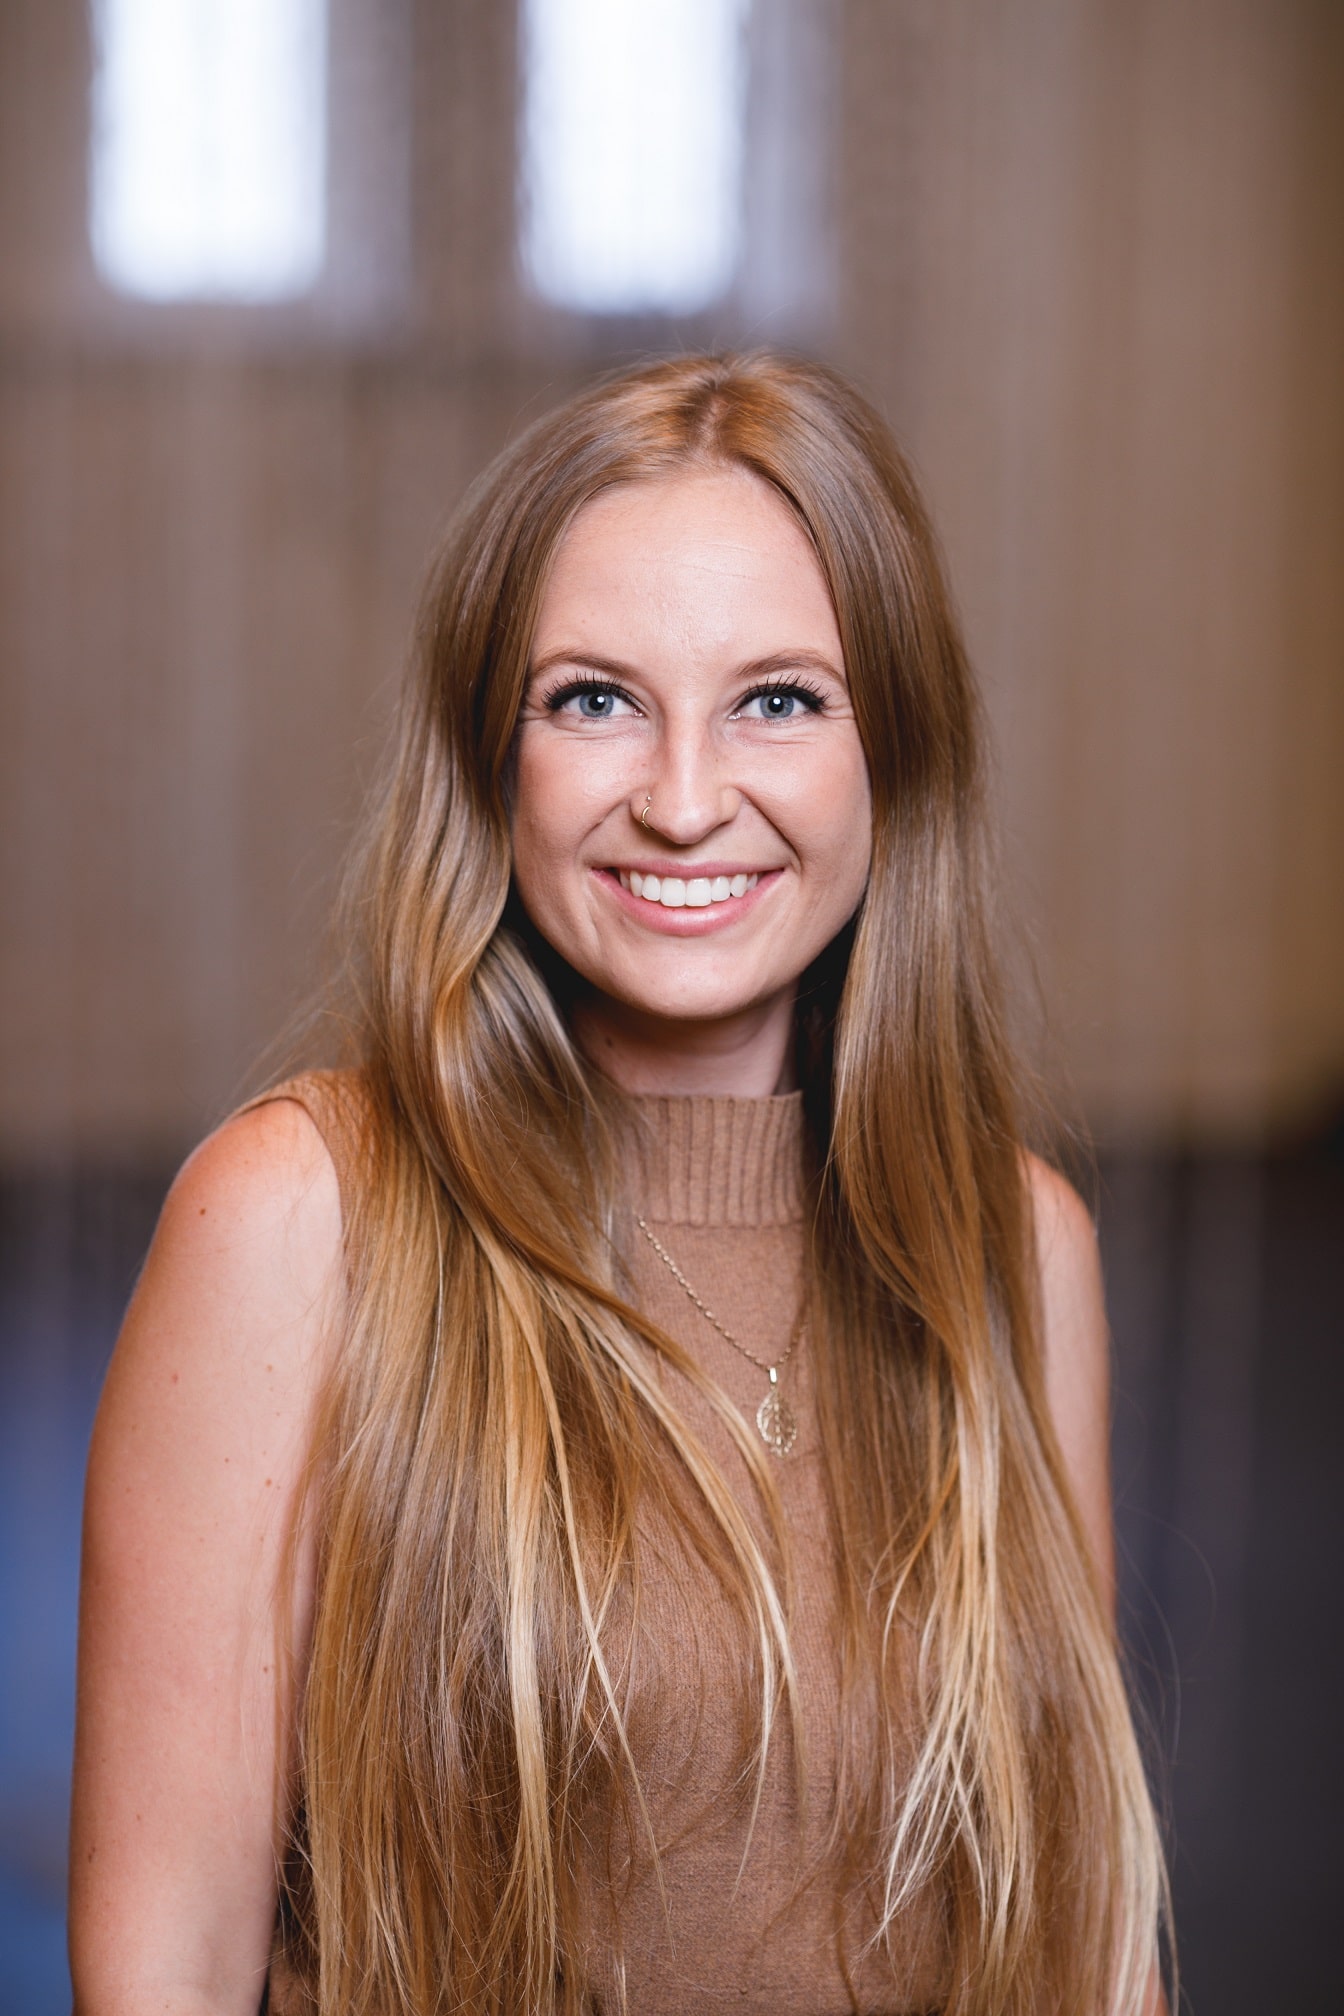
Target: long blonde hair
[[494, 1414]]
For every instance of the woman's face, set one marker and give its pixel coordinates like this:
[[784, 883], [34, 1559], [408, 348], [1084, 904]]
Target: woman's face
[[687, 664]]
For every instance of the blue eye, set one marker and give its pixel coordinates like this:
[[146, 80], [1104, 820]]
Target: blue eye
[[590, 699], [783, 703]]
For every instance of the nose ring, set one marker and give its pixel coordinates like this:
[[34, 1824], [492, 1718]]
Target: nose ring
[[644, 815]]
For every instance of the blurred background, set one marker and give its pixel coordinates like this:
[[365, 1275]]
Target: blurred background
[[278, 276]]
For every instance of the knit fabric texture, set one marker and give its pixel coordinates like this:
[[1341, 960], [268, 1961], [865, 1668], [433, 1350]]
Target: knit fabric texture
[[732, 1912]]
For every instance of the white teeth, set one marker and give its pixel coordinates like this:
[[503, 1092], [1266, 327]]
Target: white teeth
[[675, 893]]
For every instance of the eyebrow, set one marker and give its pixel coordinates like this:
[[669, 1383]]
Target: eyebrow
[[801, 660]]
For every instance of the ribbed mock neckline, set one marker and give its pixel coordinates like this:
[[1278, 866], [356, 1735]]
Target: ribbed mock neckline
[[707, 1160]]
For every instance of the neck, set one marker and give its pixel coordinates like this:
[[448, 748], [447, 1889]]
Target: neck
[[748, 1055]]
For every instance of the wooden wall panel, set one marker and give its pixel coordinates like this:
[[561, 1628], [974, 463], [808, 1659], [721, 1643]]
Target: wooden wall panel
[[1086, 255], [1110, 332]]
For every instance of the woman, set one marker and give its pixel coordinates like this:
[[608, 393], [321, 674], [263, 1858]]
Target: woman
[[604, 1503]]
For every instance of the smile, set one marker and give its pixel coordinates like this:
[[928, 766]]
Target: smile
[[677, 892]]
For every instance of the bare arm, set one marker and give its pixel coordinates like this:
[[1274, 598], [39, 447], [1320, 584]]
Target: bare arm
[[1078, 1377], [193, 1474], [1076, 1343]]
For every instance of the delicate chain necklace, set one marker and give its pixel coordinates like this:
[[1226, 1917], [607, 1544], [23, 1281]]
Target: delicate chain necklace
[[774, 1417]]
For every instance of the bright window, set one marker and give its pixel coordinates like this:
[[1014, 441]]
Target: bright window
[[632, 151], [208, 169]]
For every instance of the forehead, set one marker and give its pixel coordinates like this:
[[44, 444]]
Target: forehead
[[716, 551]]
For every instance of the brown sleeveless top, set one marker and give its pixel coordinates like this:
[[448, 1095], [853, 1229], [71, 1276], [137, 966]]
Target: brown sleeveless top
[[735, 1915]]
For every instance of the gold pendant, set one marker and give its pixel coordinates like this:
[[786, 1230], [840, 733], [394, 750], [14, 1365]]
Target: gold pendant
[[776, 1420]]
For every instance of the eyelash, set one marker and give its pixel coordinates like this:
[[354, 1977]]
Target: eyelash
[[811, 696], [797, 689], [596, 683]]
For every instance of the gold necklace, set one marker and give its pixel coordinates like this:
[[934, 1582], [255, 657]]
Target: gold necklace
[[774, 1417]]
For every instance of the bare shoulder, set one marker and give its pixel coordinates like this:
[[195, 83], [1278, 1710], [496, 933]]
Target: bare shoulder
[[1076, 1345], [196, 1472], [1066, 1239], [246, 1255], [262, 1188], [267, 1167], [202, 1428], [209, 1394]]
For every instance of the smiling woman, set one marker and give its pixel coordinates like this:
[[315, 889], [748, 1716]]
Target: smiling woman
[[687, 728], [602, 1503]]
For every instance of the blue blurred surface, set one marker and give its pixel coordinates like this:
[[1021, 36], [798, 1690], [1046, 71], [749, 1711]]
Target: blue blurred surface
[[69, 1250]]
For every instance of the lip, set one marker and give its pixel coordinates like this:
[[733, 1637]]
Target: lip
[[687, 923], [655, 864]]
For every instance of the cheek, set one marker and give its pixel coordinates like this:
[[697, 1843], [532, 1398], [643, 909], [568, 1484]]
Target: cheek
[[848, 848], [535, 812], [833, 827], [553, 806]]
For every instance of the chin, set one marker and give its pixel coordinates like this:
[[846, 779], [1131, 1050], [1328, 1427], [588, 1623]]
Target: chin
[[667, 1004]]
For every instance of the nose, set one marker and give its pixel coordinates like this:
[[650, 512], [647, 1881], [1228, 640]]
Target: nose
[[686, 794]]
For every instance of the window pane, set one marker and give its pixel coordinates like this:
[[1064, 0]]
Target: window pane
[[208, 160], [632, 151]]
